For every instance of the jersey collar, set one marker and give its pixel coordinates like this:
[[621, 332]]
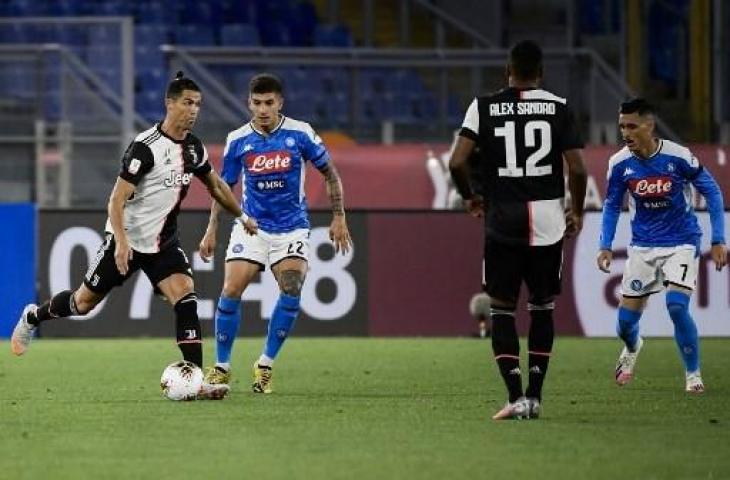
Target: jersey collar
[[264, 134], [159, 129]]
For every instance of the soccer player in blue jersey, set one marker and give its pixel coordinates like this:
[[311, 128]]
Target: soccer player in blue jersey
[[269, 155], [665, 243]]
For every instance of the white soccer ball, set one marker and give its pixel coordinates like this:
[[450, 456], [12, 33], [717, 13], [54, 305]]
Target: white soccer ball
[[181, 381]]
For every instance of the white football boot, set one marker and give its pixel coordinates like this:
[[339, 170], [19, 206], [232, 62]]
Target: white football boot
[[23, 332], [626, 363]]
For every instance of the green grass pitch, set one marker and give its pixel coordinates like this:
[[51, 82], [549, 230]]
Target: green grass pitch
[[360, 409]]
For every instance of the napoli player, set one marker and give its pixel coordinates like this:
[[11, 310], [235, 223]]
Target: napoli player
[[269, 154], [665, 242]]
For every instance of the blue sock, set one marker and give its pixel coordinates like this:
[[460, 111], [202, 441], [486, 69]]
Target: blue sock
[[227, 319], [627, 326], [281, 323], [685, 330]]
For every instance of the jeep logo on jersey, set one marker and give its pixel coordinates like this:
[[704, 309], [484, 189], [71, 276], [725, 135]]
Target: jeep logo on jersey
[[268, 185], [175, 179], [651, 186], [269, 162]]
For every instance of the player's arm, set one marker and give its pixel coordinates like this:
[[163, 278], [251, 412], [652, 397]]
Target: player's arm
[[137, 161], [706, 184], [577, 181], [339, 233], [609, 218], [121, 192], [459, 161], [314, 151], [223, 196]]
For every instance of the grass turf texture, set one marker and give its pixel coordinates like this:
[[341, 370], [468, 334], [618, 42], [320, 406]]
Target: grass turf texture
[[360, 408]]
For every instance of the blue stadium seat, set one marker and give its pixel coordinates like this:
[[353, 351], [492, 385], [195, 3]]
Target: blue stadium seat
[[303, 23], [13, 33], [150, 105], [239, 34], [332, 35], [113, 8], [194, 35], [274, 34], [154, 12], [233, 11], [151, 35]]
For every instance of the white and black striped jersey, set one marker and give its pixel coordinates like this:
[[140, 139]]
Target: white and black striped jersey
[[521, 136], [162, 169]]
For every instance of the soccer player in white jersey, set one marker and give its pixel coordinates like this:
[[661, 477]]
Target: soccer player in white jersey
[[269, 155], [141, 231], [665, 240]]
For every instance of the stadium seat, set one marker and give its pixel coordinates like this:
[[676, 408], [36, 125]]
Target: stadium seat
[[151, 35], [239, 34], [155, 13], [274, 34], [332, 35], [199, 35]]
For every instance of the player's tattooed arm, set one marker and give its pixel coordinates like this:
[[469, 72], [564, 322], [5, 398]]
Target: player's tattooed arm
[[334, 189], [339, 233]]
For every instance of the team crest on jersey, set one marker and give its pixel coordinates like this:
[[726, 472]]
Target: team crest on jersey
[[289, 142], [651, 186], [268, 162], [134, 165]]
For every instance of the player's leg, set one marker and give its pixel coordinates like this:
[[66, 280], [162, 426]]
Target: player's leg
[[641, 278], [179, 290], [288, 259], [245, 257], [543, 274], [502, 271], [100, 278], [680, 273]]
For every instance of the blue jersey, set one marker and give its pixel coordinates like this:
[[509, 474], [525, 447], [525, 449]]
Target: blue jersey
[[660, 198], [272, 171]]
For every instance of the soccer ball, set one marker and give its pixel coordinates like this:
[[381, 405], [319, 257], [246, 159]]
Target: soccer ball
[[181, 381]]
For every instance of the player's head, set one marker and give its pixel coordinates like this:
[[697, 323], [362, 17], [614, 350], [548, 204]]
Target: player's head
[[525, 62], [636, 123], [182, 102], [265, 100]]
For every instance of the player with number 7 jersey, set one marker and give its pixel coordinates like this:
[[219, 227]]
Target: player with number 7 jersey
[[269, 155], [523, 134]]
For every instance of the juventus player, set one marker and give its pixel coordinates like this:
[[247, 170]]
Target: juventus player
[[141, 231], [524, 134]]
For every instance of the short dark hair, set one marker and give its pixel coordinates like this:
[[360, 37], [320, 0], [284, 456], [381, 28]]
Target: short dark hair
[[265, 83], [525, 60], [637, 105], [178, 84]]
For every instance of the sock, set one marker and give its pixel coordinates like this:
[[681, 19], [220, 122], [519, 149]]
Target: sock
[[60, 305], [227, 320], [540, 345], [280, 324], [189, 338], [506, 348], [627, 327], [685, 330]]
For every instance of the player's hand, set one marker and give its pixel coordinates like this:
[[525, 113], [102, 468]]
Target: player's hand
[[475, 206], [207, 246], [604, 260], [573, 224], [719, 255], [340, 235], [249, 224], [122, 255]]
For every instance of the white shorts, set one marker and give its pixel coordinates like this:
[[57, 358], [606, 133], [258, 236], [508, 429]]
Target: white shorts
[[649, 269], [267, 248]]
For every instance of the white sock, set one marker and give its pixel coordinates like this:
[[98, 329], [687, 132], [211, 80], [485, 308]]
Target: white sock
[[225, 366], [265, 361]]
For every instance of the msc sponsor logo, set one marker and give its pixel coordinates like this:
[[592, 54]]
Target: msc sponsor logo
[[269, 162], [269, 185], [175, 179], [651, 186]]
